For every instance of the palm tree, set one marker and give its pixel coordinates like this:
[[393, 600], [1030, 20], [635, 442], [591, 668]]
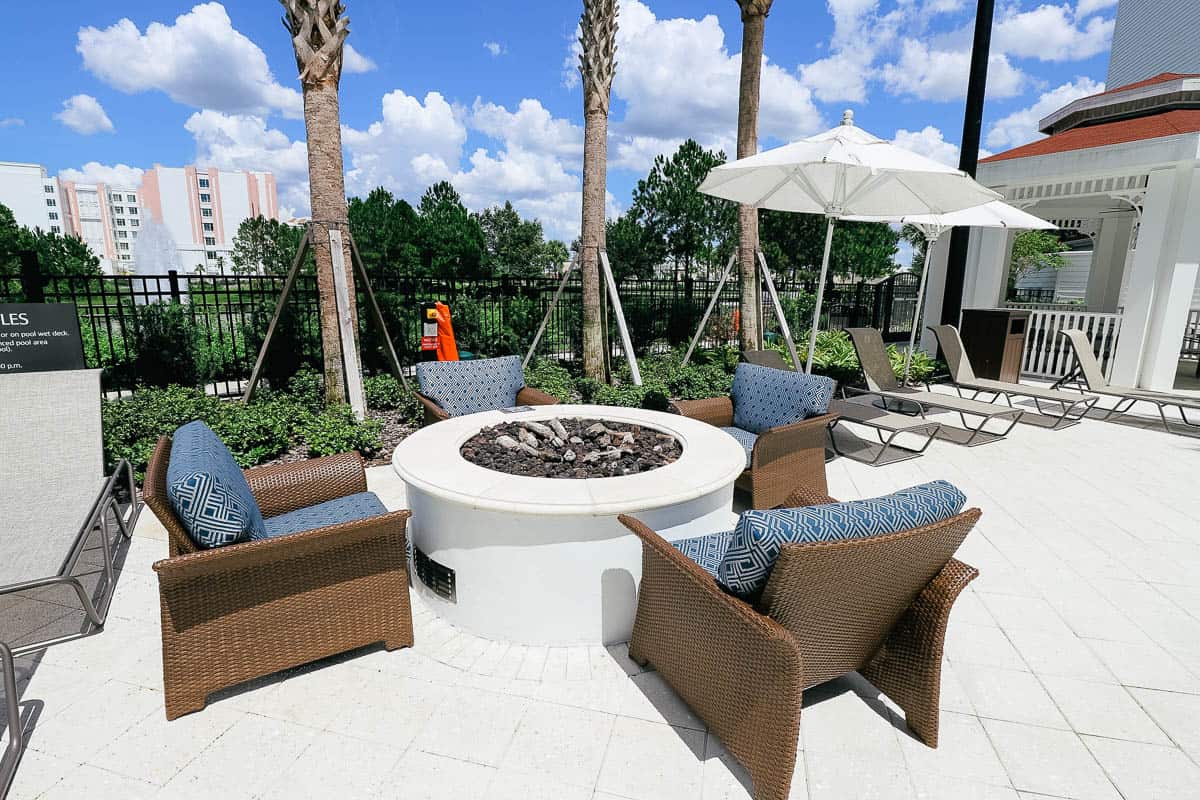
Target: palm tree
[[754, 19], [318, 30], [597, 62]]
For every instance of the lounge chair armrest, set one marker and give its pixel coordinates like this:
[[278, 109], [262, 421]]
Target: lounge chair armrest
[[803, 442], [280, 488], [713, 410], [221, 561], [724, 659], [433, 412], [528, 396]]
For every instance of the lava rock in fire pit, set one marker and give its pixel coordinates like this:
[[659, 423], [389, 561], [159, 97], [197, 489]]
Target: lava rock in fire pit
[[571, 448]]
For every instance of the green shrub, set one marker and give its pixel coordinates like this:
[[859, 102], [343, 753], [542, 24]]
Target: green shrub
[[132, 425], [259, 431], [307, 387], [651, 395], [385, 393], [336, 430], [552, 379], [166, 343]]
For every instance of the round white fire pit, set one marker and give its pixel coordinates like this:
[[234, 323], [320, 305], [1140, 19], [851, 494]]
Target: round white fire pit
[[544, 560]]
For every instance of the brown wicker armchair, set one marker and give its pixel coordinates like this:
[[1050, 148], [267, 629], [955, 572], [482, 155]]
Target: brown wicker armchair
[[242, 611], [782, 459], [465, 387], [878, 606], [526, 397]]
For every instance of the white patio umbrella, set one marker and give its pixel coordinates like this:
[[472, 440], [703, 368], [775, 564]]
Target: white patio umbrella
[[995, 214], [841, 172]]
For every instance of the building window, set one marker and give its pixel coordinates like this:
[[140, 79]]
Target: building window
[[133, 210], [210, 241], [122, 234], [53, 215], [122, 245], [119, 209], [133, 223], [49, 188], [212, 255], [203, 183], [50, 201], [132, 198], [125, 258], [55, 229], [206, 212], [120, 221], [208, 226], [205, 198]]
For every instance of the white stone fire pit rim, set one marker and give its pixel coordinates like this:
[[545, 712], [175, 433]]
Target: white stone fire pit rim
[[429, 460]]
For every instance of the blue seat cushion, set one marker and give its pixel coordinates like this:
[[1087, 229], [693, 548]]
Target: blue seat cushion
[[207, 490], [468, 387], [707, 550], [765, 398], [756, 541], [746, 439], [332, 512]]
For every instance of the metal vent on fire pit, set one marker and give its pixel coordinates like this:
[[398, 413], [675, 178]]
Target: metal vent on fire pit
[[438, 577]]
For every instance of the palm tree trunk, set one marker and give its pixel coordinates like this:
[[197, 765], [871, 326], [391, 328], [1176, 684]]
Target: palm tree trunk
[[328, 195], [595, 157], [754, 17]]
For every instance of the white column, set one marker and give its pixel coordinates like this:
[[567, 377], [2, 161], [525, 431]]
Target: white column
[[1108, 263], [1161, 279], [934, 288], [988, 257]]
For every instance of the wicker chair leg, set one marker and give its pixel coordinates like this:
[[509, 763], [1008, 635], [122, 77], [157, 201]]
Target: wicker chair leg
[[908, 668], [774, 760], [180, 702]]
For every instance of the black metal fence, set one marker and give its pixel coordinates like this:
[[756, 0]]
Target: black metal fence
[[229, 315]]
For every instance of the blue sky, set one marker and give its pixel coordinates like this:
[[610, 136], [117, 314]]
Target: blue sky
[[483, 93]]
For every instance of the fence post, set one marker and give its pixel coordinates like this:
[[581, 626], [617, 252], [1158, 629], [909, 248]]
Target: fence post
[[32, 283], [885, 299], [173, 280]]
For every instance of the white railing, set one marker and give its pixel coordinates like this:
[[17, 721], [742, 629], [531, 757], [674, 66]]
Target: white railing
[[1048, 355]]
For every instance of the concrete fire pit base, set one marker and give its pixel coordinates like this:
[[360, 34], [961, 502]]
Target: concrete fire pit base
[[543, 560]]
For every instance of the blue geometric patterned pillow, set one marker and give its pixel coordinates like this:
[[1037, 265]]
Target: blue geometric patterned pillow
[[759, 535], [764, 397], [208, 491], [468, 387], [707, 550]]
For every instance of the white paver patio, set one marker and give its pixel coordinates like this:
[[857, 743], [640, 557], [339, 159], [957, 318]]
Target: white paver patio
[[1072, 671]]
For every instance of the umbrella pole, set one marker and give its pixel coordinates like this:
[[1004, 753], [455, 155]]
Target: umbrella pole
[[916, 321], [812, 336]]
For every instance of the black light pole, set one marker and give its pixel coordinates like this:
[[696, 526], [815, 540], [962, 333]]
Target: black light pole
[[968, 157]]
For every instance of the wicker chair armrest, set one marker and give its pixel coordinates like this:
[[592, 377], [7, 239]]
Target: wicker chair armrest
[[280, 488], [694, 591], [433, 412], [807, 496], [528, 396], [713, 410], [231, 558], [801, 449]]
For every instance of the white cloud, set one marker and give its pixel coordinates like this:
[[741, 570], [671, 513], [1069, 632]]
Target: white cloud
[[840, 77], [120, 175], [83, 114], [354, 61], [930, 142], [1021, 126], [530, 127], [413, 144], [1087, 7], [1049, 33], [941, 74], [232, 141], [676, 79], [495, 48], [11, 122], [200, 60]]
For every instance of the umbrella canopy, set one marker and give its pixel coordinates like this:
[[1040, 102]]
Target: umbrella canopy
[[842, 172], [995, 214], [845, 171]]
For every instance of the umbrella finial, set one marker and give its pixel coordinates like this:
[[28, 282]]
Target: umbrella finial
[[848, 117]]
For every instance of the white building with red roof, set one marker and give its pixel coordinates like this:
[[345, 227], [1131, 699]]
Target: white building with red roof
[[1122, 167]]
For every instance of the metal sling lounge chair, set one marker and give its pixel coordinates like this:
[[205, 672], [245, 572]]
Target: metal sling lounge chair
[[881, 381], [1088, 371], [1073, 406], [55, 497]]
